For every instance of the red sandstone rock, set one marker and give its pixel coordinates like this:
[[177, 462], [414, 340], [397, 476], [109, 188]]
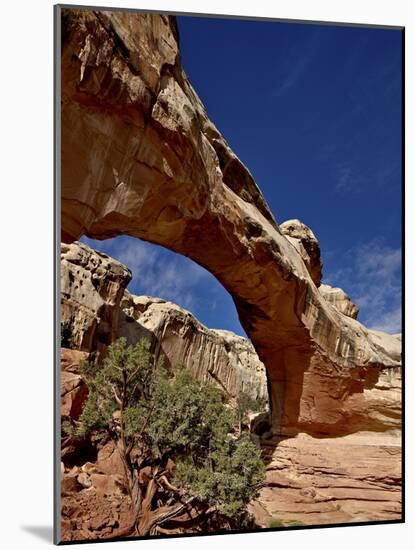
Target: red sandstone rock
[[322, 481], [73, 395], [70, 484], [88, 515], [109, 460], [73, 388], [107, 484]]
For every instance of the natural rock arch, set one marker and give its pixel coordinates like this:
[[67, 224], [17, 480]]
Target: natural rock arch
[[140, 157]]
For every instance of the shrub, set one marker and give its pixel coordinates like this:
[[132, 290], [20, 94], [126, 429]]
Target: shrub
[[157, 417]]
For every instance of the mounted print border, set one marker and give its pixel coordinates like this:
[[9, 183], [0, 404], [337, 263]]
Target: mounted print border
[[289, 414]]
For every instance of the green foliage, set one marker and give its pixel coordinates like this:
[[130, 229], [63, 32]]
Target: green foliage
[[167, 414], [123, 383], [68, 428], [246, 404], [188, 417], [274, 523], [294, 523], [228, 475]]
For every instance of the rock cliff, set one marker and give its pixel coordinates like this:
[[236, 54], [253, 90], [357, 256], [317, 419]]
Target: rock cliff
[[314, 481], [141, 157], [96, 309], [218, 356], [92, 285]]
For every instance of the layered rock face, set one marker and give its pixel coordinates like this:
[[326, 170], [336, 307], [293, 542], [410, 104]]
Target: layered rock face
[[92, 285], [216, 356], [97, 309], [73, 388], [314, 481], [348, 478], [140, 157]]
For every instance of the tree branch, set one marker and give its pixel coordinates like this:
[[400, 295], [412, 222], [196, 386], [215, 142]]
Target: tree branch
[[117, 397], [169, 486], [149, 521]]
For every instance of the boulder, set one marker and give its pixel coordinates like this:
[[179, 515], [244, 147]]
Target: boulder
[[84, 480], [71, 359], [73, 395], [109, 460], [307, 245], [340, 300], [70, 484], [107, 484]]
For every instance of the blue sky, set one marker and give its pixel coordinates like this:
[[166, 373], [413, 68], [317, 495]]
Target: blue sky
[[314, 112]]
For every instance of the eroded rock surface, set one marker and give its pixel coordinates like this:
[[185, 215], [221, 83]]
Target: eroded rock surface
[[141, 157], [307, 245], [97, 309], [321, 481], [73, 388], [92, 285], [339, 479], [340, 300], [216, 356]]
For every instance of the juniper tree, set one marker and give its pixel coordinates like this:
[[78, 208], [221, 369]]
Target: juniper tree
[[183, 466]]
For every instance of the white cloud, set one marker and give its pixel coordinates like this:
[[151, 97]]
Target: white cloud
[[156, 271], [371, 275], [391, 322], [349, 178]]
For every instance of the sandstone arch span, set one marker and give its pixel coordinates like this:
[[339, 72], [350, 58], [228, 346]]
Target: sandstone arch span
[[141, 157]]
